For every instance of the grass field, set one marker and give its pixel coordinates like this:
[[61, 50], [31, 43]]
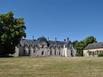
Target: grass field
[[51, 67]]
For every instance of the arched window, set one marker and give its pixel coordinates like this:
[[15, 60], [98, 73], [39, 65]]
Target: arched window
[[42, 53], [71, 53], [50, 52], [55, 52], [34, 51]]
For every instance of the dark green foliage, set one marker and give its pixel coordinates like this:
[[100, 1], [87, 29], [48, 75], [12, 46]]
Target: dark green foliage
[[80, 45], [11, 32], [89, 39], [100, 55]]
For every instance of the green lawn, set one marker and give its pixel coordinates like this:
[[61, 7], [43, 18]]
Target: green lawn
[[51, 67]]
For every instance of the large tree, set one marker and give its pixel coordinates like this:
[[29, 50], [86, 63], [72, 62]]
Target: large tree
[[89, 39], [12, 30], [79, 46]]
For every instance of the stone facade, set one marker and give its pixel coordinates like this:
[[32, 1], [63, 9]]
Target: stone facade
[[44, 47]]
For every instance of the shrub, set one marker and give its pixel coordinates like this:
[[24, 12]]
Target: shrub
[[100, 55]]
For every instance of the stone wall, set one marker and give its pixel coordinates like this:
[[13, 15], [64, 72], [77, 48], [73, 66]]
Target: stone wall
[[46, 51]]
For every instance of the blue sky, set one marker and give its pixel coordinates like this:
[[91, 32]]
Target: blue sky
[[75, 19]]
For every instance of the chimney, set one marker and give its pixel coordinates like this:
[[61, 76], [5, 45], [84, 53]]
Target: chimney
[[55, 39], [33, 38], [67, 39], [48, 38]]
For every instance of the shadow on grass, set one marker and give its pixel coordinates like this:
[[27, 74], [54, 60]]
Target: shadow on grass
[[6, 56]]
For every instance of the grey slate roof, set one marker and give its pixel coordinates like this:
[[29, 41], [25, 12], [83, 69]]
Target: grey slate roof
[[36, 42], [95, 45], [56, 42], [27, 42]]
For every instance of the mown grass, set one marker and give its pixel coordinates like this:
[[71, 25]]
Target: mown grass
[[51, 67]]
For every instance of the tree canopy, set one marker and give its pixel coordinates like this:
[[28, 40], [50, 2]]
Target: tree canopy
[[11, 32], [89, 39]]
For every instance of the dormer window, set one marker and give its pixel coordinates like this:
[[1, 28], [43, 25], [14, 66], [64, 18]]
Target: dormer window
[[42, 53]]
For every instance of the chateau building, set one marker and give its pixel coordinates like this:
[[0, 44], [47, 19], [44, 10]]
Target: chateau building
[[93, 49], [44, 47]]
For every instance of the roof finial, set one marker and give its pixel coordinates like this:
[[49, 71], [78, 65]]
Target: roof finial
[[48, 38]]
